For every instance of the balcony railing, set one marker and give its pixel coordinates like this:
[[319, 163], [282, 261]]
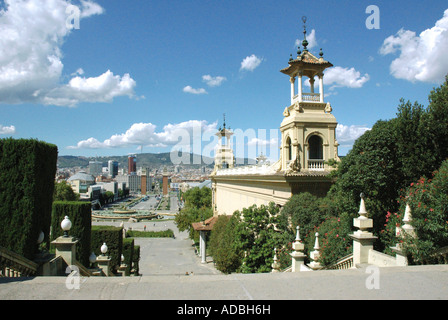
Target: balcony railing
[[311, 97], [308, 97], [316, 165]]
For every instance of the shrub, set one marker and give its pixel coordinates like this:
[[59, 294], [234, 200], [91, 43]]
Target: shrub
[[113, 237], [136, 259], [428, 201], [334, 241], [222, 245], [150, 234], [80, 215], [27, 170], [128, 253]]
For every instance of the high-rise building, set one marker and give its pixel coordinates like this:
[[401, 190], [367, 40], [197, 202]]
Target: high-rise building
[[95, 168], [112, 165], [132, 164]]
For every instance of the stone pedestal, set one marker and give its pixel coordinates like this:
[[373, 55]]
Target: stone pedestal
[[298, 257], [103, 263], [122, 269], [362, 244], [362, 239], [66, 248]]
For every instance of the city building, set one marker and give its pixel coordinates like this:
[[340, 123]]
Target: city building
[[95, 168], [80, 183], [308, 143], [132, 164], [112, 167]]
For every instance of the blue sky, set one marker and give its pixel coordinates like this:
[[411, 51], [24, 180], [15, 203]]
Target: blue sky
[[142, 73]]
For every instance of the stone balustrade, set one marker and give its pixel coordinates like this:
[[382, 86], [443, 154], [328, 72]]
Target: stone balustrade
[[13, 265]]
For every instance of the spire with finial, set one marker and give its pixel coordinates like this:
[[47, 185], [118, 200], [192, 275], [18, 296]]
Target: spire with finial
[[304, 42]]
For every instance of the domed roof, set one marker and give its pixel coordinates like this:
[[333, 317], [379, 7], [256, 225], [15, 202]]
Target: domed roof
[[83, 176]]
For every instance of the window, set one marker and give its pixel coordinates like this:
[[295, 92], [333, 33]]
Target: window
[[315, 148], [288, 149]]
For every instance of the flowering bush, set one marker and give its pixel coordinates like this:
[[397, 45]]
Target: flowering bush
[[428, 200], [334, 241]]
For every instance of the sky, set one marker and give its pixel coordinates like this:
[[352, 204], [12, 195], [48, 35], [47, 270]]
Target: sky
[[114, 77]]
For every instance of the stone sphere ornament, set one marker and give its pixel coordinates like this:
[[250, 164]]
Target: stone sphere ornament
[[104, 248], [66, 225]]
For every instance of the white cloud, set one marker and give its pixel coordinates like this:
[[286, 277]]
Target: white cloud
[[144, 134], [344, 77], [103, 88], [250, 63], [33, 33], [189, 89], [422, 57], [213, 81], [7, 130], [262, 142], [346, 135]]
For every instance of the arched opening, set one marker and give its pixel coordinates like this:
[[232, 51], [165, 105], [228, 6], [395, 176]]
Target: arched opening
[[288, 149], [315, 148]]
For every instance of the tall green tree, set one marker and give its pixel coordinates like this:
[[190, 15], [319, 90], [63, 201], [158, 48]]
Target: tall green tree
[[63, 192], [198, 207]]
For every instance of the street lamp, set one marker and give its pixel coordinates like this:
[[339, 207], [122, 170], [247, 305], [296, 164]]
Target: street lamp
[[92, 259], [104, 248], [66, 225]]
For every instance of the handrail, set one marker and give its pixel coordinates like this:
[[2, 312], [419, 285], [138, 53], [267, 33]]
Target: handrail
[[343, 263], [15, 265]]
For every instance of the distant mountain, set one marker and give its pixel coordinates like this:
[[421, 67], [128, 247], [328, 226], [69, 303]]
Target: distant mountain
[[146, 160]]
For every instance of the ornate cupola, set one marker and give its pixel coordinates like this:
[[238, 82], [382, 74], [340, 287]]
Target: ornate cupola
[[308, 128], [224, 157]]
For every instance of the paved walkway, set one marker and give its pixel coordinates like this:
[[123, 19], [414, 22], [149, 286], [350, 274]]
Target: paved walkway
[[165, 262]]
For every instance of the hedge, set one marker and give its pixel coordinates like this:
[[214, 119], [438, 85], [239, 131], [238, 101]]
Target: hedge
[[113, 237], [79, 213], [27, 171], [128, 253], [136, 259]]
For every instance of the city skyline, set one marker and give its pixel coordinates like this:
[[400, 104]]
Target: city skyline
[[140, 76]]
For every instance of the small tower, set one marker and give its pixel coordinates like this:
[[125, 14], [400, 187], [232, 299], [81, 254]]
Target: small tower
[[308, 129], [224, 157]]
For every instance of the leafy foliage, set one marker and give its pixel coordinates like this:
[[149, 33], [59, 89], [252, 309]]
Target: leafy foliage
[[64, 192], [222, 244], [428, 200], [334, 241], [198, 207]]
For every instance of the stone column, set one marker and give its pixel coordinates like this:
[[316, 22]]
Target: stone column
[[321, 87], [298, 257], [300, 87], [202, 246], [292, 80], [312, 85], [362, 239]]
